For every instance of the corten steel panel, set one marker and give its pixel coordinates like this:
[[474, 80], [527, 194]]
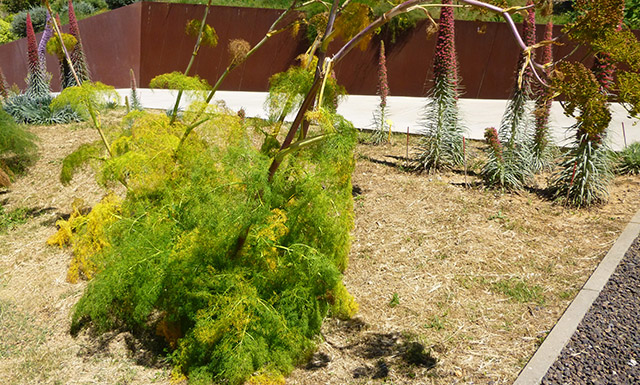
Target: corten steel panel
[[150, 39], [166, 47], [111, 42]]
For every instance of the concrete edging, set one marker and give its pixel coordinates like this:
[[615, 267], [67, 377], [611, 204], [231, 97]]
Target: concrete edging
[[561, 333]]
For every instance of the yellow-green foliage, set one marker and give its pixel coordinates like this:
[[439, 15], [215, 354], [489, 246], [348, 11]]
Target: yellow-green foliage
[[85, 233], [55, 48], [287, 89], [242, 270], [629, 91], [209, 36], [5, 32], [179, 81], [89, 95], [587, 98]]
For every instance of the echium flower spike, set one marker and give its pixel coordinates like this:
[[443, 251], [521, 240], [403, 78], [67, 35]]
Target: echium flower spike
[[42, 46], [491, 137], [445, 64], [441, 145], [383, 85], [37, 84], [381, 129], [32, 48], [77, 55]]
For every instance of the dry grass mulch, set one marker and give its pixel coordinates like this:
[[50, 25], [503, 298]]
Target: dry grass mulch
[[456, 284]]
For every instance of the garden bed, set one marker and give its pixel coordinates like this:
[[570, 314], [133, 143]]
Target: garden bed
[[455, 283]]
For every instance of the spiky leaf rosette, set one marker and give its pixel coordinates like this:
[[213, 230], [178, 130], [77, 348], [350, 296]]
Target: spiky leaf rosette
[[42, 46], [501, 169], [517, 125], [542, 149], [441, 146], [381, 128], [584, 174], [78, 58], [37, 81], [37, 110]]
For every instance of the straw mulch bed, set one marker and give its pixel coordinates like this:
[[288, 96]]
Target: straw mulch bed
[[456, 283]]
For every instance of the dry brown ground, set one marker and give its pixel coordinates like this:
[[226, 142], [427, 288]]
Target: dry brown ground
[[446, 253]]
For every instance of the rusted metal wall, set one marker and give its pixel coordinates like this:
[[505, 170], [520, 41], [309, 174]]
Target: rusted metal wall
[[111, 43], [166, 47], [150, 39]]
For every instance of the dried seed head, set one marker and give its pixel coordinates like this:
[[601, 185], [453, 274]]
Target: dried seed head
[[238, 50]]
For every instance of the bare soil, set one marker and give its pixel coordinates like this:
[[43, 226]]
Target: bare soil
[[456, 283]]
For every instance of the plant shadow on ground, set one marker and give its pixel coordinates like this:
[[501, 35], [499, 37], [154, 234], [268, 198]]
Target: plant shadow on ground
[[144, 348], [381, 353]]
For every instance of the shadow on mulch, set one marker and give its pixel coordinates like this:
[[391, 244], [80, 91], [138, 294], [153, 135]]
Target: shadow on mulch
[[143, 347], [383, 352]]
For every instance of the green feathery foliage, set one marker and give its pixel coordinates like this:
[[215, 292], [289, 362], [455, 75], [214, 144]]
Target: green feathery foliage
[[236, 272], [629, 160], [82, 99], [179, 81], [17, 146], [78, 158]]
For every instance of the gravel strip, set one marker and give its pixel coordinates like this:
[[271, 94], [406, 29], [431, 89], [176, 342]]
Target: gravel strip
[[605, 349]]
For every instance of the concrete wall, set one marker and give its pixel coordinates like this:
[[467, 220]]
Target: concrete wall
[[149, 38]]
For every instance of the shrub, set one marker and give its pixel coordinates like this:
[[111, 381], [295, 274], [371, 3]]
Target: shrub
[[38, 18], [15, 6], [6, 34], [113, 4]]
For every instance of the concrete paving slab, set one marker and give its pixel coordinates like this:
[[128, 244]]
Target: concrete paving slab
[[406, 112]]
